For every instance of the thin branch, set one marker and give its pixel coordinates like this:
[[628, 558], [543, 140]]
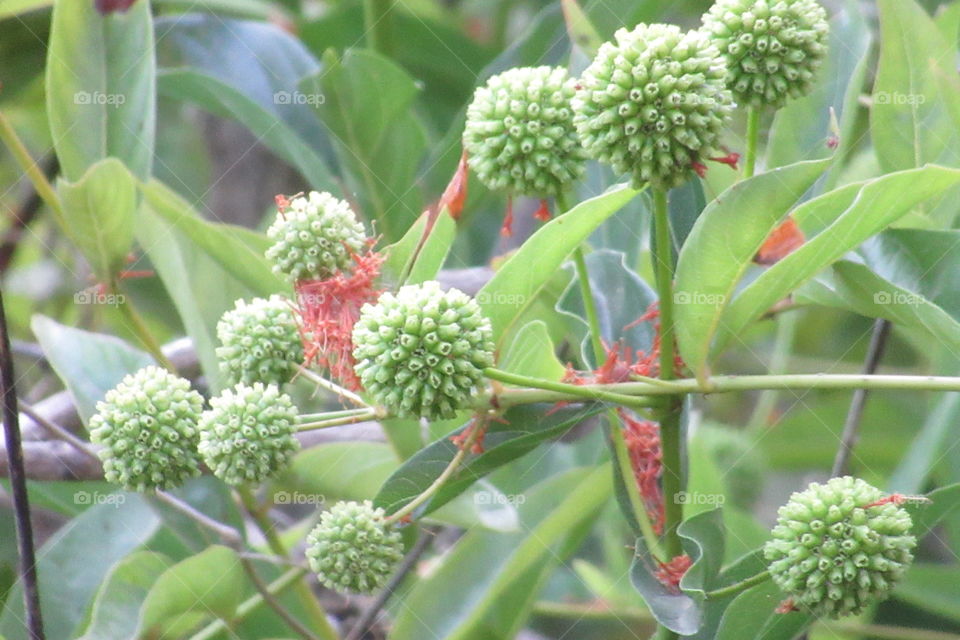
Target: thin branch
[[22, 218], [333, 387], [18, 484], [851, 427], [273, 603], [409, 562]]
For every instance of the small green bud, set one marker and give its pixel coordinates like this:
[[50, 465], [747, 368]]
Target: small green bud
[[421, 352], [260, 342], [653, 103], [519, 133], [313, 238], [248, 434], [839, 547], [773, 48], [353, 549], [147, 426]]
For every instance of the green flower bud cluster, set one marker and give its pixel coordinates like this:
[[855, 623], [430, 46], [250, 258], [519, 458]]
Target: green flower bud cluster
[[147, 426], [353, 549], [314, 237], [420, 353], [837, 547], [653, 103], [248, 434], [519, 133], [772, 48], [260, 341]]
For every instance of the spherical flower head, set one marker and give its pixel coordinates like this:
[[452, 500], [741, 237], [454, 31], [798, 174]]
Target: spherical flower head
[[421, 352], [772, 48], [519, 134], [248, 434], [314, 238], [353, 549], [653, 103], [147, 426], [838, 547], [260, 341]]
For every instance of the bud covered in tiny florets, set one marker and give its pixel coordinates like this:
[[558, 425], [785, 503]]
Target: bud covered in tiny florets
[[519, 134], [147, 426], [314, 237], [248, 434], [839, 547], [260, 341], [420, 352], [353, 549], [772, 48], [653, 103]]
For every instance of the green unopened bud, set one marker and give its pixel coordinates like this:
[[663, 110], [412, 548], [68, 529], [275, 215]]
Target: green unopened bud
[[260, 342], [353, 549], [248, 433], [147, 426], [653, 103], [772, 48], [519, 133], [313, 238], [421, 352], [839, 547]]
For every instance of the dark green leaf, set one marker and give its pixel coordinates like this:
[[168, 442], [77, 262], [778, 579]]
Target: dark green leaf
[[753, 615]]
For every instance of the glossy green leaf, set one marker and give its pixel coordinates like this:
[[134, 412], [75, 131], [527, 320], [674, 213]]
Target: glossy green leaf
[[335, 471], [101, 98], [532, 353], [525, 428], [74, 561], [753, 615], [488, 582], [721, 247], [879, 203], [9, 8], [98, 212], [516, 284], [239, 251], [89, 364], [116, 608], [420, 253], [210, 583], [933, 588], [915, 118]]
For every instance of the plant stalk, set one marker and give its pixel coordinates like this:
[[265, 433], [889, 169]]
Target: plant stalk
[[139, 328], [737, 587], [31, 169], [753, 142], [376, 23]]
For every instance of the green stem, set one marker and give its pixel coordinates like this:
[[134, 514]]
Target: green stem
[[737, 587], [589, 306], [753, 139], [318, 617], [376, 22], [140, 329], [333, 387], [30, 168], [549, 389], [669, 418], [251, 604], [367, 414]]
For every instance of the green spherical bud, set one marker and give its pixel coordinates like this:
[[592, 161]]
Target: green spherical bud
[[353, 549], [314, 237], [653, 103], [147, 426], [772, 48], [839, 547], [260, 342], [519, 134], [420, 352], [248, 434]]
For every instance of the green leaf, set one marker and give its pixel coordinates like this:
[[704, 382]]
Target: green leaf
[[753, 615], [926, 450], [116, 608], [520, 279], [419, 255], [721, 247], [532, 353], [10, 8], [89, 364], [101, 99], [878, 203], [939, 504], [366, 105], [487, 583], [73, 562], [98, 211], [209, 583], [335, 471], [525, 428], [933, 588], [239, 251], [581, 30], [915, 117]]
